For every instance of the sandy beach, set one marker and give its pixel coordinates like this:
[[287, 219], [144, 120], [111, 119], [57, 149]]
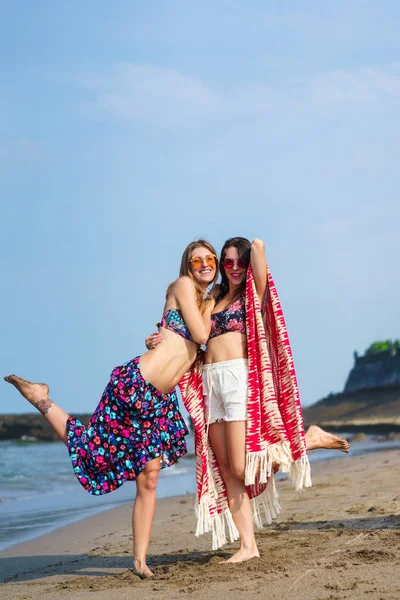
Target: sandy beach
[[340, 539]]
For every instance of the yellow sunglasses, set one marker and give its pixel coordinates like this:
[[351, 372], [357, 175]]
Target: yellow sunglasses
[[197, 261]]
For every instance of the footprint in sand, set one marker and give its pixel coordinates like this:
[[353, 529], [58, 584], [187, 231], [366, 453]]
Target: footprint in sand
[[369, 556], [356, 509], [377, 509]]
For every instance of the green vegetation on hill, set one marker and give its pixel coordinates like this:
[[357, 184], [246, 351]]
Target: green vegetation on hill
[[383, 346]]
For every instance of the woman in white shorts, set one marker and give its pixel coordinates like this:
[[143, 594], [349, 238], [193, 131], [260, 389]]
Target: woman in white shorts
[[225, 386], [225, 379]]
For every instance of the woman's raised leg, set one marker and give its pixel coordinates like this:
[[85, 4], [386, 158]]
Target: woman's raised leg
[[38, 395], [143, 515], [227, 441]]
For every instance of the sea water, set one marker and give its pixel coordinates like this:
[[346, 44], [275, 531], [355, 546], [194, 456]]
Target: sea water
[[39, 491]]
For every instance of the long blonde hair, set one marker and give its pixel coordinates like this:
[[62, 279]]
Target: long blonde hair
[[186, 269]]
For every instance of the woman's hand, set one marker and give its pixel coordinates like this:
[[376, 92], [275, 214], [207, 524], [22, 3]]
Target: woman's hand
[[153, 340]]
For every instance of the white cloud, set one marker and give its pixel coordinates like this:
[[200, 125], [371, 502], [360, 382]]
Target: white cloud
[[352, 88], [154, 95], [168, 98]]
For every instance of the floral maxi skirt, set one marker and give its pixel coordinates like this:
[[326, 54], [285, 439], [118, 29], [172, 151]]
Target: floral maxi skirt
[[132, 424]]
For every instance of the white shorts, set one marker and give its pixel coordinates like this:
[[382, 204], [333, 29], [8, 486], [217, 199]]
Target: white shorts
[[225, 390]]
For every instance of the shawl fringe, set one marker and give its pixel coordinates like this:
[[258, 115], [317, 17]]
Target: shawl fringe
[[265, 505], [221, 525], [299, 474], [278, 457]]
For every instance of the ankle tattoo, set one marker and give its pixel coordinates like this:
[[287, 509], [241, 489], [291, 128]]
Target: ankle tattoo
[[44, 405]]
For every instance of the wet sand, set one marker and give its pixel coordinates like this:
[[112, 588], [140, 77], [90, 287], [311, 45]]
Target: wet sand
[[339, 539]]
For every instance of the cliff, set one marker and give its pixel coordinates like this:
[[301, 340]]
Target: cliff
[[371, 396], [381, 369]]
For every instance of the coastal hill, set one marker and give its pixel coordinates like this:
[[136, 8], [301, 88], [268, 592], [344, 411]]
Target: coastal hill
[[371, 397], [30, 427]]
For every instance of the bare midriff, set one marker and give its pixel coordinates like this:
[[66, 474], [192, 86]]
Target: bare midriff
[[227, 346], [165, 365]]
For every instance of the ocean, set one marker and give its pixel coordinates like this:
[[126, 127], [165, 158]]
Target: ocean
[[39, 491]]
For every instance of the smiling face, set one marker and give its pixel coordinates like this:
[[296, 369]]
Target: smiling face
[[203, 266], [237, 271]]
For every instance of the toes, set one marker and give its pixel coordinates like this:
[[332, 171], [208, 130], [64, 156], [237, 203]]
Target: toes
[[146, 575]]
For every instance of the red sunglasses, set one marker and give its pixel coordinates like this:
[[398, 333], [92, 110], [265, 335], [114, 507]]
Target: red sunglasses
[[229, 263]]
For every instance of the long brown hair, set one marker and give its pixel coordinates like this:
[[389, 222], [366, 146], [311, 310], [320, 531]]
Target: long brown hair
[[186, 269], [243, 246]]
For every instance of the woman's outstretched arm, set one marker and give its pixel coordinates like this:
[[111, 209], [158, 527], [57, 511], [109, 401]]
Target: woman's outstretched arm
[[259, 266]]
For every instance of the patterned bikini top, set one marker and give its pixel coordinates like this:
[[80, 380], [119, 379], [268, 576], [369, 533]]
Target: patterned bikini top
[[231, 319], [173, 320]]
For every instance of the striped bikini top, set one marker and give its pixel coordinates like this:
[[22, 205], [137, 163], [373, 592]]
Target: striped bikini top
[[231, 319]]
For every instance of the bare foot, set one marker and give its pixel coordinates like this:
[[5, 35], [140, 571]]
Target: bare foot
[[141, 569], [242, 555], [318, 438], [36, 393]]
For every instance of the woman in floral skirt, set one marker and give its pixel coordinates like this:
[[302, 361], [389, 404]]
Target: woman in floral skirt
[[137, 427]]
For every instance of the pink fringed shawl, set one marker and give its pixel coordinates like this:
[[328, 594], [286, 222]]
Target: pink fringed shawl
[[275, 432]]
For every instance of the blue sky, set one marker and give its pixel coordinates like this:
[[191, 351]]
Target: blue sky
[[129, 130]]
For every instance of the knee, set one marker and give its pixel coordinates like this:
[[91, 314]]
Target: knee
[[149, 482], [237, 470]]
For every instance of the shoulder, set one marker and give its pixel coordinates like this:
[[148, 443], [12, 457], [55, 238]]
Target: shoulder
[[183, 284]]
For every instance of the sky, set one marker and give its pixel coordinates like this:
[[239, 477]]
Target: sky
[[129, 129]]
